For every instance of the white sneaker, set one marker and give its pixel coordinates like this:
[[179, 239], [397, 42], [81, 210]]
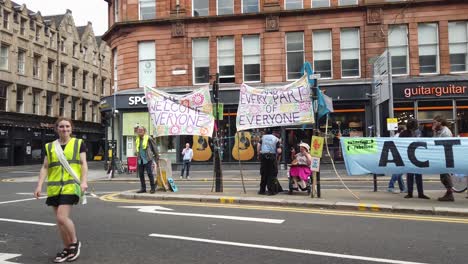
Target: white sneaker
[[188, 177], [181, 177]]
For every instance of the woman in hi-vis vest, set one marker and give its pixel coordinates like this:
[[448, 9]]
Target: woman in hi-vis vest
[[66, 173]]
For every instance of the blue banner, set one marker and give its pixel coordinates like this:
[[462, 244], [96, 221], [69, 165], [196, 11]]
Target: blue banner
[[383, 155]]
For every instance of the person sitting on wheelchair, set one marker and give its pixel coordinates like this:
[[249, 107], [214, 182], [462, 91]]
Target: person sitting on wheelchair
[[300, 167]]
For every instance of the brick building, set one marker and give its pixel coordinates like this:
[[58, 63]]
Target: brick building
[[48, 68], [178, 45]]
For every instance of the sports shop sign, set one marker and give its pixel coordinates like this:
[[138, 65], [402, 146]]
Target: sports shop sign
[[430, 90]]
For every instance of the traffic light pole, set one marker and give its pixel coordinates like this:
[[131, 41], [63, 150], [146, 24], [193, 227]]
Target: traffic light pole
[[217, 160]]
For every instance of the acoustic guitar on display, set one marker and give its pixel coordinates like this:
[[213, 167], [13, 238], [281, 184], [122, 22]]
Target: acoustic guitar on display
[[243, 149], [201, 148]]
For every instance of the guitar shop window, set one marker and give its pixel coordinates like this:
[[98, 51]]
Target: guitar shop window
[[201, 147], [462, 118]]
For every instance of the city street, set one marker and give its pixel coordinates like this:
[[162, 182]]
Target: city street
[[131, 231]]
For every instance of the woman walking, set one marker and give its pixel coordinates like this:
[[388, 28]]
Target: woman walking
[[66, 170]]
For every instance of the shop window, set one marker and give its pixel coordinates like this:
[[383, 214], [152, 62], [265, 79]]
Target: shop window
[[292, 4], [147, 64], [294, 54], [403, 111], [322, 46], [201, 61], [200, 7], [36, 150], [147, 9], [251, 58], [250, 6], [427, 110], [350, 52], [458, 46], [398, 47], [225, 7], [428, 41], [226, 60], [462, 118]]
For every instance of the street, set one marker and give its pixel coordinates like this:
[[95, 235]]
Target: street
[[112, 232]]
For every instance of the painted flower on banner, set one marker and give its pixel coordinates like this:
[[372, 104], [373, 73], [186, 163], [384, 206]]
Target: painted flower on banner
[[161, 130], [255, 109], [189, 129], [185, 102], [175, 130], [203, 131], [305, 106], [286, 107], [198, 99]]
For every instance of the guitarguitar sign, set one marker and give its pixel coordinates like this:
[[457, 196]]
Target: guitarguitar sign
[[284, 106], [189, 114]]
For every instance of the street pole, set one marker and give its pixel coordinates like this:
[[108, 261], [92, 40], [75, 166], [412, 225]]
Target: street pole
[[217, 159], [390, 87], [113, 136], [314, 94]]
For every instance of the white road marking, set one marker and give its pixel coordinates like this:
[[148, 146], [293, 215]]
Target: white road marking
[[293, 250], [164, 211], [22, 200], [26, 222], [5, 256]]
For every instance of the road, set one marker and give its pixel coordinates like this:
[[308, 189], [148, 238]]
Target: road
[[212, 233]]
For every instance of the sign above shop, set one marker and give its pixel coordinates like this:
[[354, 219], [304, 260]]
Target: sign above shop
[[137, 100], [430, 90]]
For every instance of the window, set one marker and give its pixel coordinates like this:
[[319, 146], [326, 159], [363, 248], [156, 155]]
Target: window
[[147, 9], [22, 26], [350, 52], [94, 83], [35, 102], [49, 103], [21, 61], [36, 66], [74, 73], [6, 18], [250, 6], [75, 49], [50, 70], [52, 39], [292, 4], [93, 113], [20, 98], [147, 64], [251, 58], [322, 47], [114, 61], [95, 60], [428, 48], [84, 105], [62, 104], [398, 47], [200, 7], [294, 54], [63, 72], [85, 83], [73, 107], [116, 10], [103, 86], [320, 3], [4, 53], [63, 47], [85, 52], [201, 61], [226, 60], [347, 2], [38, 32], [458, 46], [3, 96], [225, 7]]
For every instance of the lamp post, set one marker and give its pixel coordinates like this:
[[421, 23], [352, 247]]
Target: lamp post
[[314, 93], [217, 159]]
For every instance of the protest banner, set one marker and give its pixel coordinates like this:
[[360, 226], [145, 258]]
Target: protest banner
[[189, 114], [405, 155], [284, 106]]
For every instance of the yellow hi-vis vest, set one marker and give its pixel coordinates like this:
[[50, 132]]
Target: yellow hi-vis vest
[[59, 181], [145, 142]]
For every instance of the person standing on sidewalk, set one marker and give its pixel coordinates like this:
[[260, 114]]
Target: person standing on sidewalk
[[411, 127], [267, 150], [187, 159], [63, 189], [397, 177], [146, 156], [440, 129]]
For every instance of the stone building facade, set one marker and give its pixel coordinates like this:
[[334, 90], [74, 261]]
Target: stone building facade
[[264, 43], [49, 67]]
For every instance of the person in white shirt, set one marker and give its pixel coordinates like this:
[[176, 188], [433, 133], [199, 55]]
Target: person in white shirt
[[188, 155]]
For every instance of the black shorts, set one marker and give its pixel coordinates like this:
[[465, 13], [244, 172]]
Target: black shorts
[[62, 199]]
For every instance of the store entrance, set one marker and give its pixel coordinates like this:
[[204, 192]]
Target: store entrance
[[19, 152]]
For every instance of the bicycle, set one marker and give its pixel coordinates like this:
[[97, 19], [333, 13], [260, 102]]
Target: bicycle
[[460, 182]]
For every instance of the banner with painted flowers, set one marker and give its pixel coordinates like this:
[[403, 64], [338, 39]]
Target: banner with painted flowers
[[188, 114], [284, 106]]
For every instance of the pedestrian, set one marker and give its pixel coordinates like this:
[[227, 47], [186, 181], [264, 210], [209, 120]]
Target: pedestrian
[[411, 127], [267, 150], [440, 129], [300, 168], [187, 159], [66, 170], [146, 156], [398, 177]]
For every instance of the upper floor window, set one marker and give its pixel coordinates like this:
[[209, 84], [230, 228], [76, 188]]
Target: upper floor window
[[6, 18], [75, 49], [63, 73], [398, 47], [350, 52], [49, 104], [85, 53], [292, 4], [320, 3], [116, 10], [322, 47], [147, 64], [347, 2], [225, 7], [226, 60], [50, 70], [84, 106], [93, 113], [63, 98], [20, 98], [22, 26], [103, 86], [21, 61], [250, 6], [4, 54], [74, 75], [201, 61], [200, 7], [294, 54], [458, 46], [251, 58], [73, 107], [115, 68], [428, 41], [38, 32], [35, 101], [37, 66], [3, 96], [85, 80], [147, 9], [94, 83]]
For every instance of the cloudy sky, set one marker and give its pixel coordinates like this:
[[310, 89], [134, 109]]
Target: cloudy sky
[[83, 11]]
